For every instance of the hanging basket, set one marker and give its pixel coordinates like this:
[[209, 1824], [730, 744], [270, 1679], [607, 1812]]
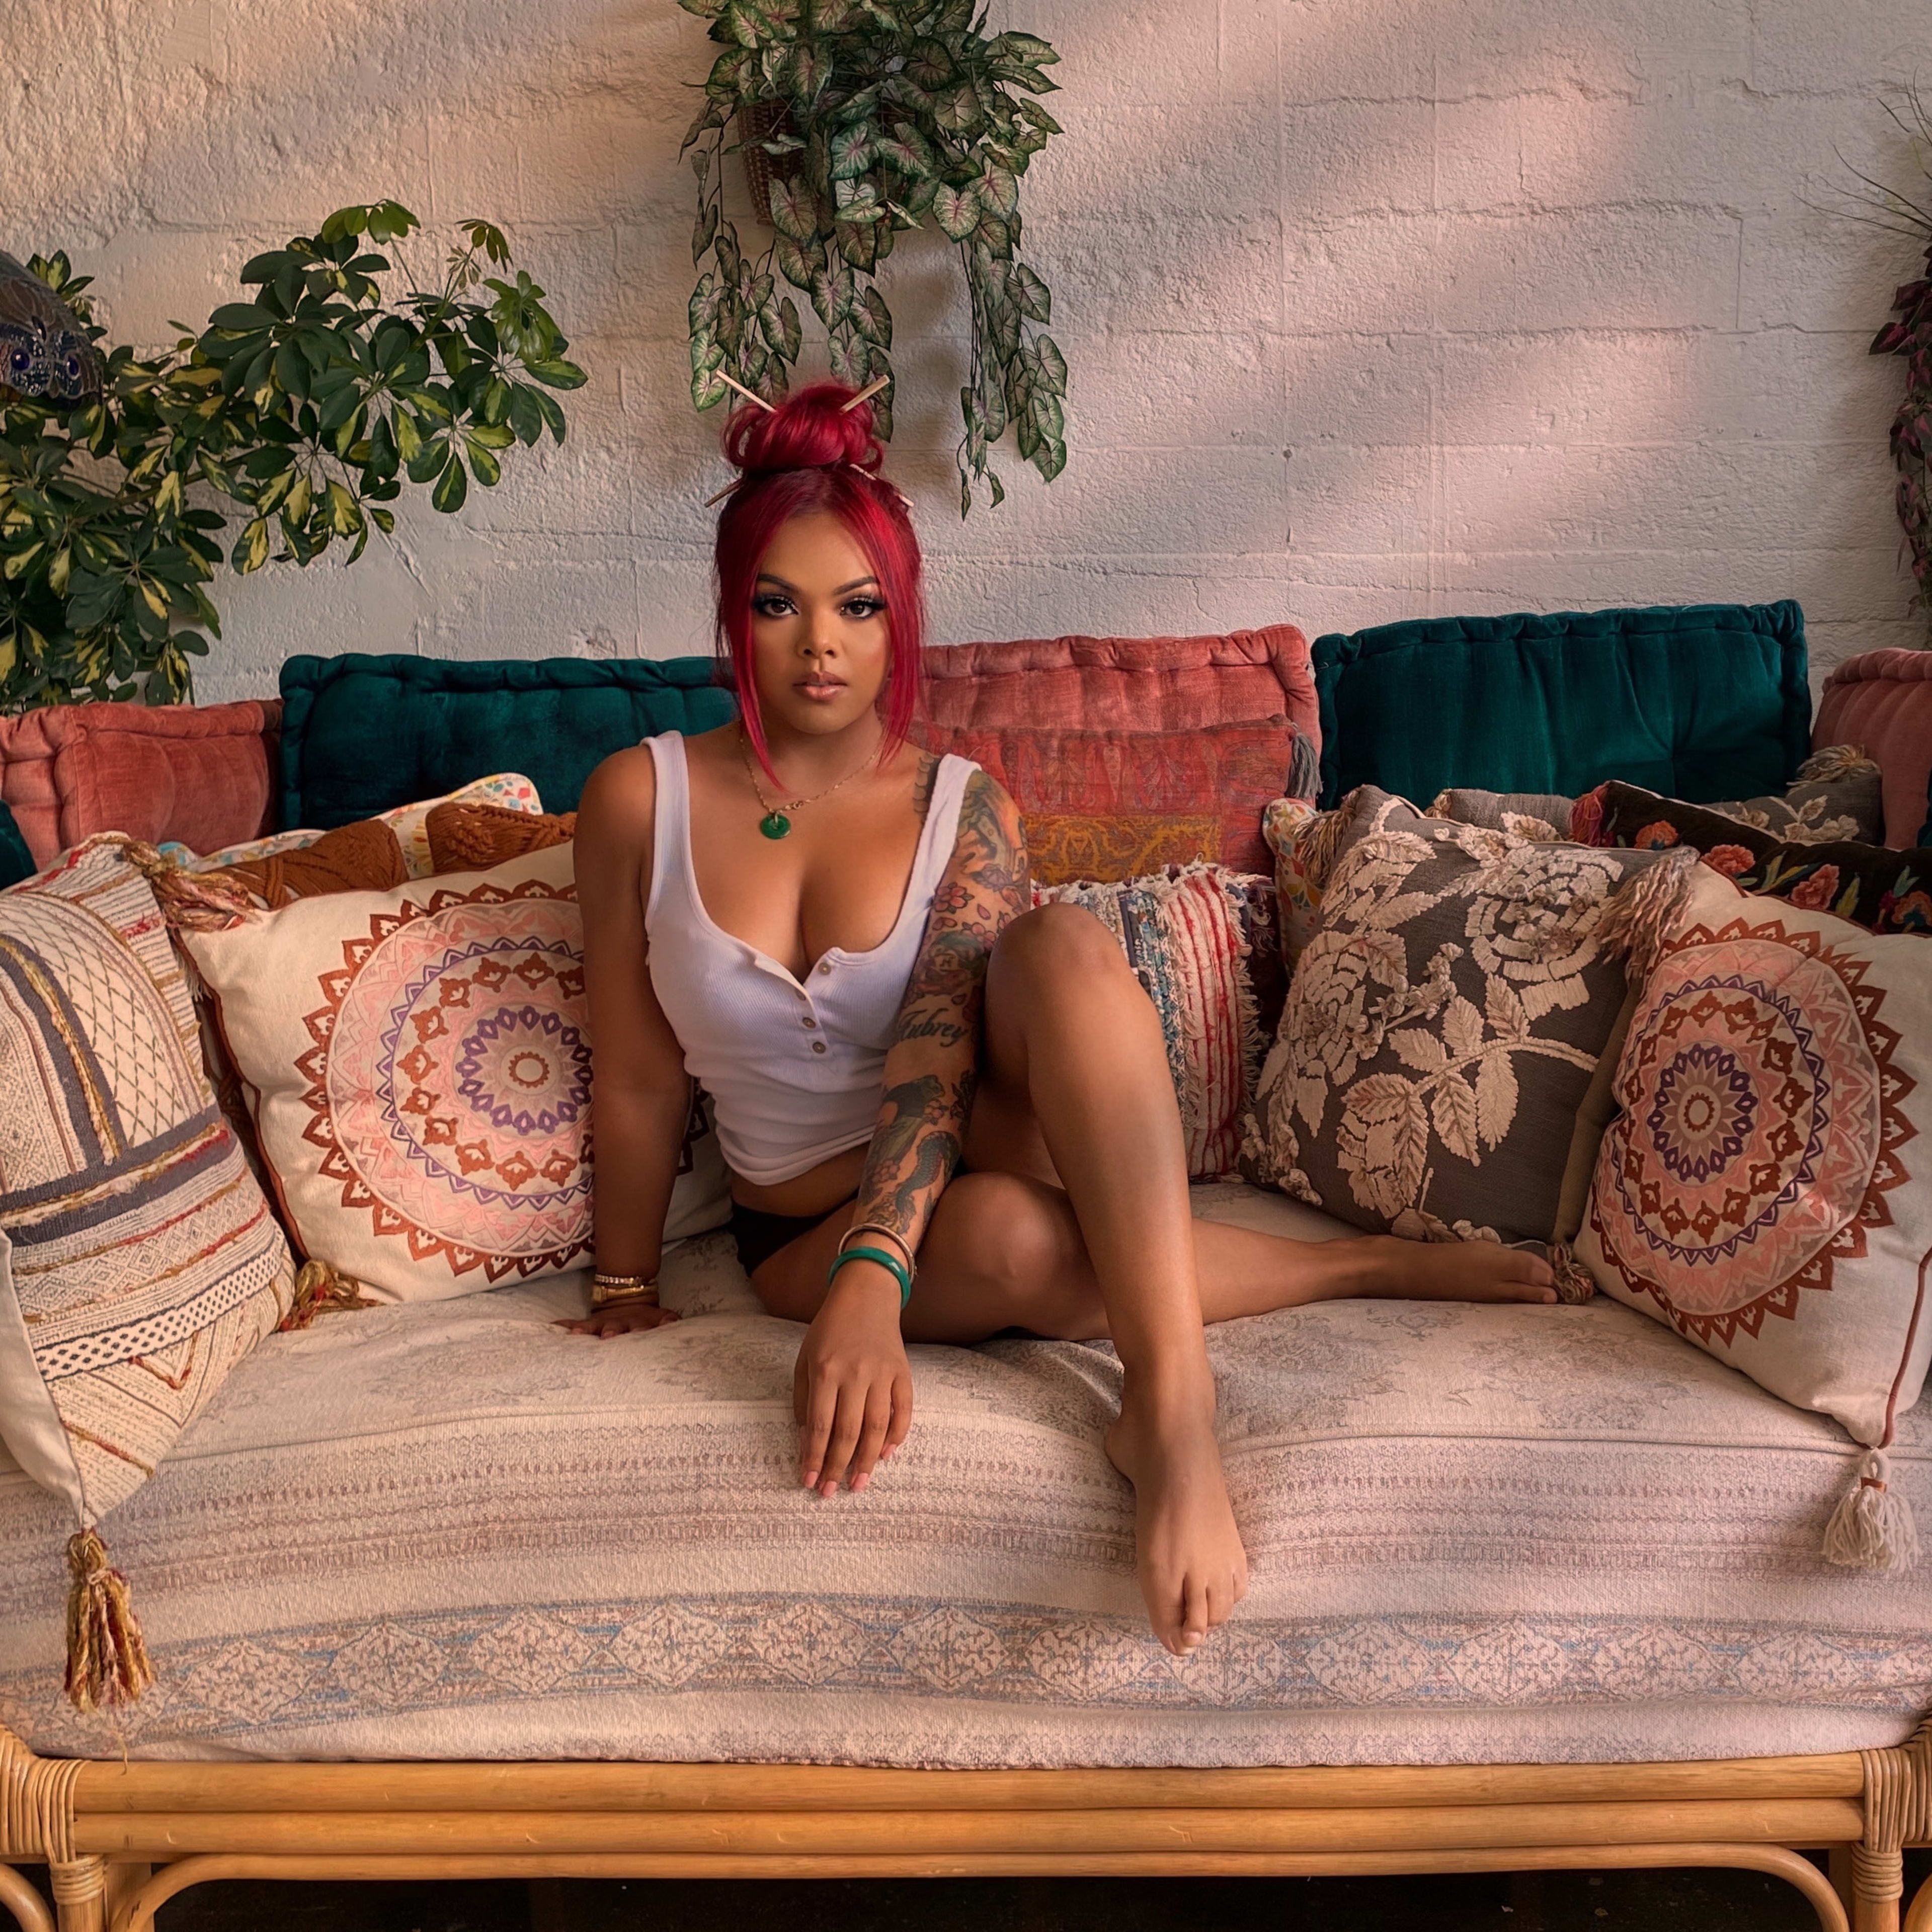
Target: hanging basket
[[763, 121]]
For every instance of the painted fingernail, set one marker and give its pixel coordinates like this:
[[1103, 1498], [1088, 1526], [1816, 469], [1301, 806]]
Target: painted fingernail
[[859, 1482], [811, 1480]]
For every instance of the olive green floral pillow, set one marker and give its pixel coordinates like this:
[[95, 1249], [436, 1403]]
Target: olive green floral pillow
[[1445, 1027]]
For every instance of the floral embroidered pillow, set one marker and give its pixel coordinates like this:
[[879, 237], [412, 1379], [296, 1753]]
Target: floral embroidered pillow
[[1765, 1186], [418, 1068], [1445, 1025], [1875, 887]]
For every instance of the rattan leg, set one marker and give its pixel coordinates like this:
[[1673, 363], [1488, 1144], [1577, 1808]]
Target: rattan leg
[[29, 1909], [1918, 1918], [1878, 1882], [80, 1892]]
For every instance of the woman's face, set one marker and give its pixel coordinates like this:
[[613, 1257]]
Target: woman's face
[[821, 638]]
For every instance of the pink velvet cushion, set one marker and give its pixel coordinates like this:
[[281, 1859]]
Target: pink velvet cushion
[[1126, 684], [197, 773], [1883, 701]]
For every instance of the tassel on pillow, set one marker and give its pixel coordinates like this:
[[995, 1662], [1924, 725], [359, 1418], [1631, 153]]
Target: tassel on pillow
[[1872, 1528], [106, 1655]]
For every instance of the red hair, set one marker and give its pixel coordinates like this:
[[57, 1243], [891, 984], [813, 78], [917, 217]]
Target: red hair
[[813, 453]]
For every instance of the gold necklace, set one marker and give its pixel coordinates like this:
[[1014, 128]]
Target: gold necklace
[[776, 824]]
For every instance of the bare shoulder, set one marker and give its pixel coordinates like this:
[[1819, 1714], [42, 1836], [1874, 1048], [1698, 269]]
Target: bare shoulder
[[619, 806], [987, 813]]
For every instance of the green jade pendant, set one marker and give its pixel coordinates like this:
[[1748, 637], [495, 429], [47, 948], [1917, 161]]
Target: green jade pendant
[[775, 825]]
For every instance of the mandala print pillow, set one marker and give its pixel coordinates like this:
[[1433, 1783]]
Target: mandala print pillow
[[417, 1066], [1443, 1028], [1766, 1185]]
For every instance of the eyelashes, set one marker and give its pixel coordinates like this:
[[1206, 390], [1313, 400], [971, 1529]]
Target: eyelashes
[[771, 604]]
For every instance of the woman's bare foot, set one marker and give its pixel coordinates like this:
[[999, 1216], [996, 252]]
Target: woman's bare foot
[[1451, 1271], [1188, 1553]]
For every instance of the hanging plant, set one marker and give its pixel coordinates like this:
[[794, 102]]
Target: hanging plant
[[1911, 338], [858, 120], [305, 407]]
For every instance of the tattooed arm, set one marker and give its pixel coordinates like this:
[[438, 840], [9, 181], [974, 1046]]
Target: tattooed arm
[[852, 1390], [933, 1062]]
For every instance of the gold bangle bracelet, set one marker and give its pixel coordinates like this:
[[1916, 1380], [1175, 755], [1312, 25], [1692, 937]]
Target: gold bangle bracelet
[[891, 1234], [609, 1290]]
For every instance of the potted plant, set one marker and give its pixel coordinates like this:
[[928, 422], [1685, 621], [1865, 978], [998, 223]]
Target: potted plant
[[305, 407], [1911, 337], [860, 120]]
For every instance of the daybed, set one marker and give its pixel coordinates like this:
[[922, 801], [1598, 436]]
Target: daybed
[[438, 1590]]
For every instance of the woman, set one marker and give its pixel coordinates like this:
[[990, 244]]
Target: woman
[[919, 1084]]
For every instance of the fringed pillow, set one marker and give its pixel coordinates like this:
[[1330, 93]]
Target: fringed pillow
[[1433, 1073], [1765, 1186], [417, 1068], [1201, 940], [138, 1260]]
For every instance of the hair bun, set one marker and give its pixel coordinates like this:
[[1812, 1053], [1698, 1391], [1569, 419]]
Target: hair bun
[[813, 428]]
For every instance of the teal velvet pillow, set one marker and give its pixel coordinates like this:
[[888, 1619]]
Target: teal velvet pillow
[[16, 862], [362, 733], [1699, 702]]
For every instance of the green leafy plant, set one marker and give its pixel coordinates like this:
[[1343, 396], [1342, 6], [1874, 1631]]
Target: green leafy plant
[[869, 118], [301, 411], [1910, 337]]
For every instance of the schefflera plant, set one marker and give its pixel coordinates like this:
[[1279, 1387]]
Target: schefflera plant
[[868, 118]]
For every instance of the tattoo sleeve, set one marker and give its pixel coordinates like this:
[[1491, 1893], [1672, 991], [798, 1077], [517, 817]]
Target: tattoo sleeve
[[934, 1059]]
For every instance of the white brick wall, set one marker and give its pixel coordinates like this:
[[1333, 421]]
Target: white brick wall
[[1375, 308]]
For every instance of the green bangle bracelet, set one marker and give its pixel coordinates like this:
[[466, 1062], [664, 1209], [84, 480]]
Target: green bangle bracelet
[[893, 1265]]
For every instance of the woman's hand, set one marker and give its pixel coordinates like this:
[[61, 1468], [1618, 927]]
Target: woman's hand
[[626, 1318], [852, 1389]]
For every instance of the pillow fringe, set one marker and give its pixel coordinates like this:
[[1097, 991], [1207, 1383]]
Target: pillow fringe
[[1837, 761], [106, 1654], [1642, 910], [1872, 1528], [321, 1289]]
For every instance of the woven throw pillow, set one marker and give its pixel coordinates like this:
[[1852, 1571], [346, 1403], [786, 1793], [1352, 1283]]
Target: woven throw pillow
[[1444, 1024], [465, 838], [1766, 1186], [1110, 805], [1302, 841], [138, 1260], [1199, 938], [1875, 886], [417, 1069]]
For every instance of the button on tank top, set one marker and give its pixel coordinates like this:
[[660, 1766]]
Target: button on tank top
[[796, 1069]]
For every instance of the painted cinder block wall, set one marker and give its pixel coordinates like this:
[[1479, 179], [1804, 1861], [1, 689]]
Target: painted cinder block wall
[[1375, 308]]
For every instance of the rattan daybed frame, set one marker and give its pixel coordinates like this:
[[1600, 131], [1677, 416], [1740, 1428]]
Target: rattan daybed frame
[[122, 1838]]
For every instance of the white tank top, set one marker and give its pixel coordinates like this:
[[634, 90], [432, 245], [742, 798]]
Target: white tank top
[[796, 1072]]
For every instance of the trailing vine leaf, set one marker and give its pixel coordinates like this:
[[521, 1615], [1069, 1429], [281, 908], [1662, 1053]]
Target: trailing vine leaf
[[308, 407], [1911, 338], [872, 117]]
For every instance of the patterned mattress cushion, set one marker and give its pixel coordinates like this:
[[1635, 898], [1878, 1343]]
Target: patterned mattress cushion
[[417, 1069], [1764, 1188], [138, 1260], [1476, 1534]]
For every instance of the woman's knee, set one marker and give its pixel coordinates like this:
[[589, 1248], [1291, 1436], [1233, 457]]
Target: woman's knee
[[1017, 1242], [1058, 939]]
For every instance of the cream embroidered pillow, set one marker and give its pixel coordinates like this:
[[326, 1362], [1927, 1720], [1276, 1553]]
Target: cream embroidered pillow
[[418, 1066], [1766, 1186], [1443, 1027], [138, 1260]]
